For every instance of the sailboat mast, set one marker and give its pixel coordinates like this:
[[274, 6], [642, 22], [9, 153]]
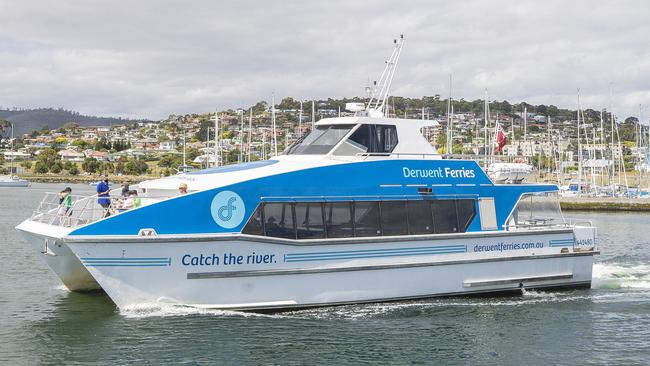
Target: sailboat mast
[[275, 138], [300, 121], [250, 133], [449, 120], [579, 148], [217, 134], [485, 125], [241, 135]]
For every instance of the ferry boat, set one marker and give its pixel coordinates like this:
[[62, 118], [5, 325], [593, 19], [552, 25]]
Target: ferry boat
[[362, 209]]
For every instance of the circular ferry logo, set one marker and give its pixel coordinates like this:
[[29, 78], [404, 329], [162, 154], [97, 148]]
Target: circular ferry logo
[[227, 209]]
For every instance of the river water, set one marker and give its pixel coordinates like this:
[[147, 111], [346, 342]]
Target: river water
[[42, 323]]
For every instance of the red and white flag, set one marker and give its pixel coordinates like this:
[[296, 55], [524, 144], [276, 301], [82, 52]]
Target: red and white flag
[[501, 139]]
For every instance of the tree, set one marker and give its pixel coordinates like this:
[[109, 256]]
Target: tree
[[5, 126], [67, 165], [82, 144], [260, 106], [40, 167], [90, 165], [48, 157], [135, 167], [169, 161], [73, 170], [26, 164], [56, 168]]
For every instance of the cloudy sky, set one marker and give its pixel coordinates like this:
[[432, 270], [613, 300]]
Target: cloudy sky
[[147, 59]]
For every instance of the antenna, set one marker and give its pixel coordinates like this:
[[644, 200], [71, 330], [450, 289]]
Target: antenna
[[377, 102]]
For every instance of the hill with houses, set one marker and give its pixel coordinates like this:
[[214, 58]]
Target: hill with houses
[[26, 120]]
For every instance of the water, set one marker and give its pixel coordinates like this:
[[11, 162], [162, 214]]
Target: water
[[42, 323]]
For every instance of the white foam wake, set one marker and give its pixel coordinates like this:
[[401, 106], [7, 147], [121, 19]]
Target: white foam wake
[[617, 275], [170, 310]]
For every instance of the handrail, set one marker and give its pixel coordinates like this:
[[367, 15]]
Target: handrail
[[423, 155], [81, 210]]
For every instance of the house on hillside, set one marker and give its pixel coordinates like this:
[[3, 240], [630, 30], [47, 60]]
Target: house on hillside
[[167, 145], [71, 155], [99, 155]]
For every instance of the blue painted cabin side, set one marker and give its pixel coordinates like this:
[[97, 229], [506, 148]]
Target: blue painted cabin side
[[196, 213]]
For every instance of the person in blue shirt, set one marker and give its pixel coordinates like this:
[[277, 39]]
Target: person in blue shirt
[[104, 199]]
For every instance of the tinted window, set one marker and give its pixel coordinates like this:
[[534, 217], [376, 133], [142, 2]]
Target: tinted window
[[309, 220], [338, 219], [366, 219], [321, 140], [444, 216], [466, 209], [279, 220], [393, 218], [375, 138], [386, 138], [419, 216], [254, 224]]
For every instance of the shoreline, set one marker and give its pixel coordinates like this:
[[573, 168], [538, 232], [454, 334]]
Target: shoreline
[[84, 179], [605, 204]]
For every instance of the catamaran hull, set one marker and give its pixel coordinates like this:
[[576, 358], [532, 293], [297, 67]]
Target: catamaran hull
[[46, 241], [245, 274]]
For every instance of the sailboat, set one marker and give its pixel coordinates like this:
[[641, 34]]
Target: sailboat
[[11, 180]]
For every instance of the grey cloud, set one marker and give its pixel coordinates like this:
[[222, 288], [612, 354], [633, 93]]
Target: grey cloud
[[151, 58]]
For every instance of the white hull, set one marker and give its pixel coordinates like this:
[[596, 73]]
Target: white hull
[[292, 275], [58, 256], [14, 183]]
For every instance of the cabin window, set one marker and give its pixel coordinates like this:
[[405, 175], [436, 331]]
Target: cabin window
[[338, 219], [541, 208], [279, 220], [366, 218], [393, 218], [466, 210], [444, 216], [345, 219], [254, 225], [320, 140], [309, 220], [419, 217], [366, 138]]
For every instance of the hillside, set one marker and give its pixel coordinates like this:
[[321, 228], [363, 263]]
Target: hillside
[[26, 120]]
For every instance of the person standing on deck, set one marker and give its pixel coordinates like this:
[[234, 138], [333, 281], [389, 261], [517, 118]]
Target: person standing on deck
[[182, 188], [104, 199]]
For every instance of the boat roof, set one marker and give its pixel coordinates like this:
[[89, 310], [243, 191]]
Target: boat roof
[[399, 122]]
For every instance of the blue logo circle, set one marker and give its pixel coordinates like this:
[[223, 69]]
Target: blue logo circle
[[227, 209]]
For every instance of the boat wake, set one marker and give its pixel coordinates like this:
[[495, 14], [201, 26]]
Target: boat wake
[[621, 276], [171, 310]]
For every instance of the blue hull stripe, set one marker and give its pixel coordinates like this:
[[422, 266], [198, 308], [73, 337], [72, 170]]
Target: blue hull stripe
[[128, 265], [373, 253], [560, 242], [126, 262], [381, 250]]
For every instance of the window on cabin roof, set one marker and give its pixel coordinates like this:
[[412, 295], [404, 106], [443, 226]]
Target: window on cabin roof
[[320, 140], [369, 138]]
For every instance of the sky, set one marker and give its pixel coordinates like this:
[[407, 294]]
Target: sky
[[149, 59]]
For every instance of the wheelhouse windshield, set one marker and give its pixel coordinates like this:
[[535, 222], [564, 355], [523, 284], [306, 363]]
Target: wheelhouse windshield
[[320, 140]]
